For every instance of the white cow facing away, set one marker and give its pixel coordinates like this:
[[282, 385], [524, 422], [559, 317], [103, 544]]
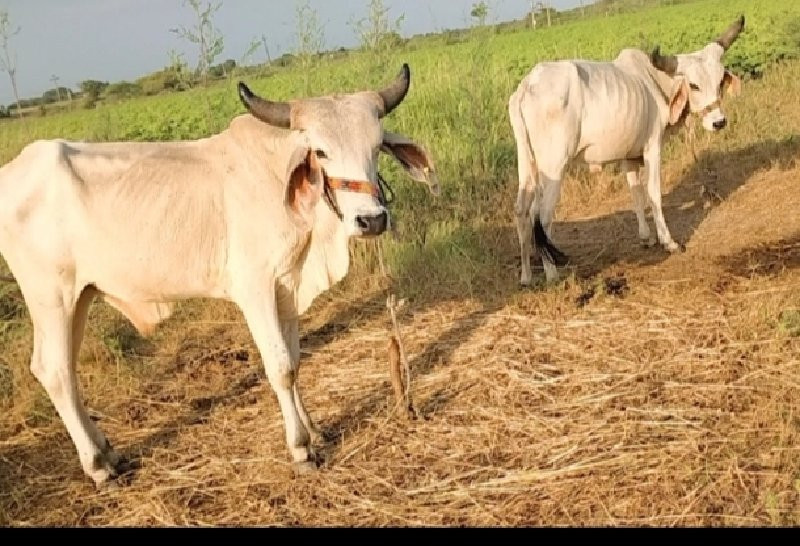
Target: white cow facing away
[[610, 112], [259, 214]]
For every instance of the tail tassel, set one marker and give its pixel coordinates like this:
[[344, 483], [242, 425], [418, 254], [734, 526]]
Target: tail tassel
[[547, 250]]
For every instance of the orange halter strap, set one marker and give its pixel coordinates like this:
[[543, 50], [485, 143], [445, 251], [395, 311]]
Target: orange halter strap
[[376, 190], [356, 186]]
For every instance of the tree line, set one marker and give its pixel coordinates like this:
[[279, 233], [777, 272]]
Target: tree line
[[376, 31]]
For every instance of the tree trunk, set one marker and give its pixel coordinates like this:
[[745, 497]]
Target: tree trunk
[[533, 15], [11, 70], [203, 57], [13, 75], [266, 49]]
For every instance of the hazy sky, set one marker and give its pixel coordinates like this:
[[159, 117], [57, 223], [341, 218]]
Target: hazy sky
[[114, 40]]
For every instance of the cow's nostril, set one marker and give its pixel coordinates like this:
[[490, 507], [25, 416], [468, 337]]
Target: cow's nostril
[[720, 124], [372, 225]]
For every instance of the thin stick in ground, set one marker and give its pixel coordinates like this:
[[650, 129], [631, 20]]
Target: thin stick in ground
[[396, 355]]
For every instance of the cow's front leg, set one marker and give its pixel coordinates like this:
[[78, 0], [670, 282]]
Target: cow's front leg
[[639, 199], [261, 313], [291, 337], [652, 161]]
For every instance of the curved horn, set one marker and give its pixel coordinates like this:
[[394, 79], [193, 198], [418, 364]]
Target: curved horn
[[396, 92], [274, 113], [729, 36], [668, 64]]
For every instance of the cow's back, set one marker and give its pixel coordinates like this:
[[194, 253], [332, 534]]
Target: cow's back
[[141, 221], [608, 107]]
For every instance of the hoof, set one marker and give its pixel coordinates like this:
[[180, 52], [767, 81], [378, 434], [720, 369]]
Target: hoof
[[110, 485], [650, 242], [113, 458], [320, 436], [304, 468], [552, 278], [674, 248], [107, 466], [103, 472]]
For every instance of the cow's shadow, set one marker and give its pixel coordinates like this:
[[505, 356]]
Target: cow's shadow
[[767, 259], [605, 241]]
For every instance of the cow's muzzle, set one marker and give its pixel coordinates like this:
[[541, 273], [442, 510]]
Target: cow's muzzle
[[713, 117], [372, 225]]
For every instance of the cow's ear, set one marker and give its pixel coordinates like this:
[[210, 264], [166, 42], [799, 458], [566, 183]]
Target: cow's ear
[[414, 159], [679, 102], [731, 83], [306, 183]]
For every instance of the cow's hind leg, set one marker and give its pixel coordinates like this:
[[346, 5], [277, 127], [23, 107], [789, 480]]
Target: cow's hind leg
[[522, 213], [57, 332], [557, 134], [525, 191], [80, 316], [548, 193], [313, 431]]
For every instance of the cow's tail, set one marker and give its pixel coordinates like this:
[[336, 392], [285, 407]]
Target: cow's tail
[[544, 246], [547, 250]]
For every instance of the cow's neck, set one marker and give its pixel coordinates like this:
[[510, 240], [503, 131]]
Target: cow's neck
[[326, 260]]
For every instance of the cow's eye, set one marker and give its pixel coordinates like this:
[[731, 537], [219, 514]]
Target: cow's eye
[[694, 87], [320, 154]]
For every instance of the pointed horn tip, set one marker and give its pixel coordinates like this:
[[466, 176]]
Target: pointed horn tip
[[244, 91], [405, 74], [393, 95], [730, 35], [738, 24], [665, 63], [656, 53]]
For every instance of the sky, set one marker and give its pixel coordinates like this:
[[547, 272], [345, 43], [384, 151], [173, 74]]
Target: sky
[[113, 40]]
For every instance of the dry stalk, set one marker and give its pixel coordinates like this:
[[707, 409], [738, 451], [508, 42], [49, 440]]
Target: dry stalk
[[395, 348], [397, 355], [394, 369]]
